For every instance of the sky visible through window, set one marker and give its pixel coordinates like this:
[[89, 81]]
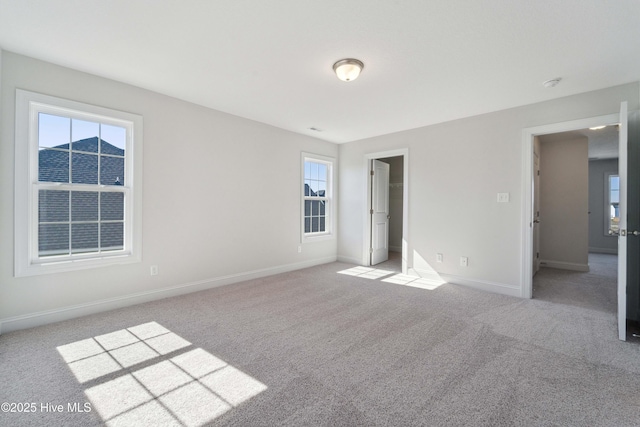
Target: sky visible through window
[[56, 130]]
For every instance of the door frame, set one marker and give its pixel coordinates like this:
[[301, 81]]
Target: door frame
[[527, 184], [404, 152]]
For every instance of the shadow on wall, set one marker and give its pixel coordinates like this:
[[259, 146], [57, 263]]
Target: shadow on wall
[[161, 379]]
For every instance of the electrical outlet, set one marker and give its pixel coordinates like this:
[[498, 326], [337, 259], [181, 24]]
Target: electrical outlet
[[154, 270], [299, 248], [464, 261], [439, 257]]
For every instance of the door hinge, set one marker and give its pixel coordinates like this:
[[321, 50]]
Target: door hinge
[[538, 173], [537, 255], [371, 172], [370, 250], [371, 211]]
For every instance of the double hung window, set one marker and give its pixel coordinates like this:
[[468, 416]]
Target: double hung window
[[317, 196], [76, 185]]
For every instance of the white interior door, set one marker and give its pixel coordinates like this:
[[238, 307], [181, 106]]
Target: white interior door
[[622, 237], [379, 212]]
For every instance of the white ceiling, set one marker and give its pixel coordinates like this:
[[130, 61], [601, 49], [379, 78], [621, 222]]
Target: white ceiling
[[425, 61]]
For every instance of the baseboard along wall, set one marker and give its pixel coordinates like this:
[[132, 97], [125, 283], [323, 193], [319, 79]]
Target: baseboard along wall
[[31, 320]]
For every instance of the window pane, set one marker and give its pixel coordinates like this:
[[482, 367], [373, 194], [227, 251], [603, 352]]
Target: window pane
[[307, 187], [53, 239], [322, 171], [84, 238], [307, 170], [89, 145], [314, 224], [322, 224], [112, 206], [53, 206], [53, 131], [322, 188], [322, 208], [53, 166], [315, 208], [84, 135], [307, 225], [614, 201], [111, 170], [84, 206], [314, 171], [84, 168], [112, 236], [307, 208], [113, 139]]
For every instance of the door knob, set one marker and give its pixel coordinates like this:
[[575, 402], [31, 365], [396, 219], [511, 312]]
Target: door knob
[[388, 216]]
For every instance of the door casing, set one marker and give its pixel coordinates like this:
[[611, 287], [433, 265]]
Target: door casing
[[527, 186], [366, 217]]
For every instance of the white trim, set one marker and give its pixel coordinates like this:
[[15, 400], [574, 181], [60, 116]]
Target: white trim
[[26, 260], [526, 269], [349, 260], [483, 285], [70, 312], [603, 250], [562, 265], [404, 152]]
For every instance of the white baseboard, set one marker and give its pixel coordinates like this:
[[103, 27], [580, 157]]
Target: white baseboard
[[484, 285], [70, 312], [603, 251], [349, 260], [564, 265]]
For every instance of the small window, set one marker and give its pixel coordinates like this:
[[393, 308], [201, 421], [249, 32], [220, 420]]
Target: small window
[[612, 207], [317, 206], [77, 202]]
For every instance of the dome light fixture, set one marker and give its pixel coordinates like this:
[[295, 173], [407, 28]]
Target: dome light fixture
[[348, 69], [552, 82]]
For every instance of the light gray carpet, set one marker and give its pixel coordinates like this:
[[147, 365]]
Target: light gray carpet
[[317, 348]]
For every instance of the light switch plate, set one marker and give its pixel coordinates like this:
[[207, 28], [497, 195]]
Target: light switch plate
[[503, 197]]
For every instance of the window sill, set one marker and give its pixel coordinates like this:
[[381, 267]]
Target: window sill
[[64, 266]]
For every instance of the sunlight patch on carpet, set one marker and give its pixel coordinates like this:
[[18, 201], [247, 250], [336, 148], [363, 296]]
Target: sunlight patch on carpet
[[160, 378], [388, 276]]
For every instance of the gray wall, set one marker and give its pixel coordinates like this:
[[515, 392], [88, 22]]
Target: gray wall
[[455, 171], [396, 187], [205, 172], [599, 241], [564, 203]]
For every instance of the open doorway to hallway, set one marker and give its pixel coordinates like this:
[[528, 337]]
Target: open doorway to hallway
[[576, 216]]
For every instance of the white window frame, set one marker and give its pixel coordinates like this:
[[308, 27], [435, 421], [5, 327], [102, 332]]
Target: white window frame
[[27, 259], [330, 211]]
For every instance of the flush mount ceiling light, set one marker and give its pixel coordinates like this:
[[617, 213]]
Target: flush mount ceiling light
[[552, 82], [348, 69]]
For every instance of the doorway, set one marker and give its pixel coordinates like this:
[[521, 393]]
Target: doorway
[[529, 135], [576, 213], [385, 225]]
